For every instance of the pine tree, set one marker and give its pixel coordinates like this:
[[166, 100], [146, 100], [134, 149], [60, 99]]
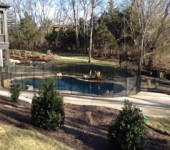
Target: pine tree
[[103, 39], [28, 31]]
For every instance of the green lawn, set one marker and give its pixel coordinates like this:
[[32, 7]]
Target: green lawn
[[76, 64], [13, 138], [161, 124], [80, 58]]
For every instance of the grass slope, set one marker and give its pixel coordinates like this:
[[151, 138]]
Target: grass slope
[[80, 58], [13, 138], [160, 124]]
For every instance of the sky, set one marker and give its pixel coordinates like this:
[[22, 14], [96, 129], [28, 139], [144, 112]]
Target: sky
[[53, 10]]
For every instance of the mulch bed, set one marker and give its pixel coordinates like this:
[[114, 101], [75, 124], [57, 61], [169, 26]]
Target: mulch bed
[[85, 126]]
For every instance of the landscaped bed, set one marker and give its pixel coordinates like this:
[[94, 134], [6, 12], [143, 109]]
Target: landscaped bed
[[85, 126]]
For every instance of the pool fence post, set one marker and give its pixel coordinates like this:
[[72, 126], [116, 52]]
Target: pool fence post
[[100, 69], [10, 76], [84, 89], [58, 81], [52, 69], [25, 69], [91, 68], [34, 79], [126, 86], [15, 70], [98, 87], [71, 85], [76, 69], [139, 83], [43, 70], [113, 72], [67, 69], [82, 71], [59, 67], [22, 82], [112, 84], [6, 72]]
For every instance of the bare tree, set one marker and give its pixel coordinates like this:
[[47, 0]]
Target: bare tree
[[85, 7], [147, 22], [75, 16], [93, 2], [93, 5], [84, 4]]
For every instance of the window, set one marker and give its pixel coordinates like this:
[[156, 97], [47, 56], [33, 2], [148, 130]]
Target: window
[[1, 23]]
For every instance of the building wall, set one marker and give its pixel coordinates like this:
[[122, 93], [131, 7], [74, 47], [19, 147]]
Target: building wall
[[1, 58], [4, 44]]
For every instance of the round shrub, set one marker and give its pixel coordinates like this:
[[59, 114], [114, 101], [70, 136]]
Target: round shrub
[[47, 108], [15, 91], [127, 133]]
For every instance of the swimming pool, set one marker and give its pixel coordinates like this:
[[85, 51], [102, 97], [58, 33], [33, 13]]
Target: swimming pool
[[73, 84]]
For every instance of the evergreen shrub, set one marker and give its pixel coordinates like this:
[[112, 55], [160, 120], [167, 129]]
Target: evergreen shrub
[[15, 91], [127, 133], [48, 108]]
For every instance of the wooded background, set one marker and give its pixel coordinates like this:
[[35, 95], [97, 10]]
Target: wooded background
[[133, 29]]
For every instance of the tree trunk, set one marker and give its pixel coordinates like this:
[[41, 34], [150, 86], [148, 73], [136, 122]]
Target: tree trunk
[[91, 29], [141, 56], [85, 30], [75, 22]]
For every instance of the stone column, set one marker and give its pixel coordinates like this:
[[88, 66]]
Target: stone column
[[6, 38], [1, 66], [6, 57], [1, 58]]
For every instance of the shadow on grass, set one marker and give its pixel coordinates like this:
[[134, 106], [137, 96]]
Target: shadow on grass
[[20, 118], [157, 144]]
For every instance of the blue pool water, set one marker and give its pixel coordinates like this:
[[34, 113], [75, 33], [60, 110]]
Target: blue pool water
[[73, 84]]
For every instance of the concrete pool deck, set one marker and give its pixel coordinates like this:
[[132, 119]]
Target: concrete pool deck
[[152, 104]]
